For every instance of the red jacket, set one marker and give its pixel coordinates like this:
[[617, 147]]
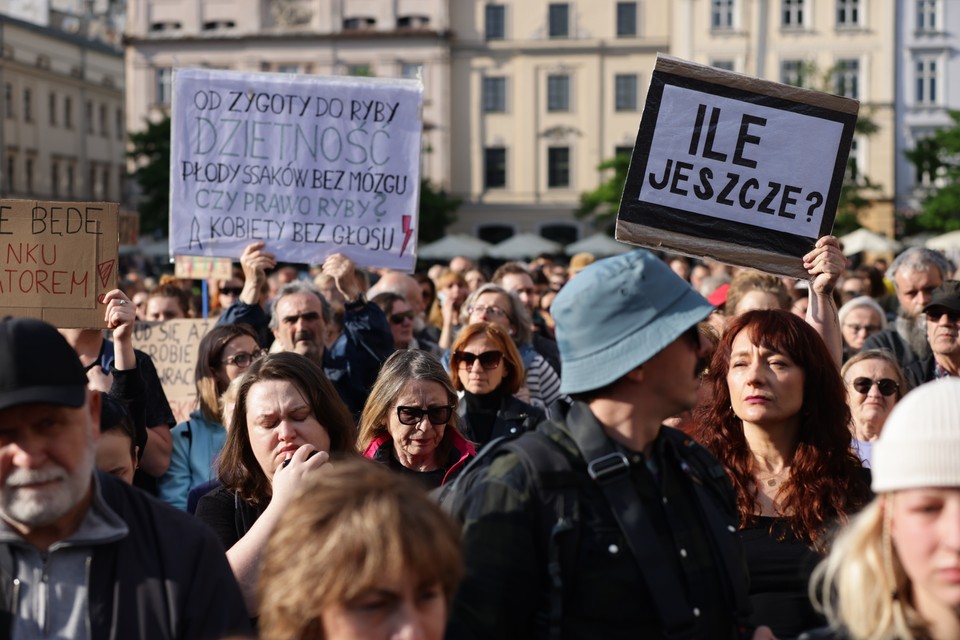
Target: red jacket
[[463, 448]]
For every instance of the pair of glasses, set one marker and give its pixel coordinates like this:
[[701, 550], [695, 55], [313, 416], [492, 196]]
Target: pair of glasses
[[887, 386], [493, 310], [244, 360], [488, 359], [935, 315], [414, 415], [231, 291], [857, 328], [398, 318]]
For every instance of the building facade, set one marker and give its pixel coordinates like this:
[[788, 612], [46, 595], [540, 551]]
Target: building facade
[[63, 127], [543, 92], [402, 38], [846, 47]]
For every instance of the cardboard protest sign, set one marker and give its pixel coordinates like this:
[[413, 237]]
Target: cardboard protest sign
[[742, 170], [57, 259], [129, 228], [202, 268], [310, 165], [173, 346]]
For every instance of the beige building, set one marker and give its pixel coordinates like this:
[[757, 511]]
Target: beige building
[[543, 92], [847, 47], [63, 128], [401, 38]]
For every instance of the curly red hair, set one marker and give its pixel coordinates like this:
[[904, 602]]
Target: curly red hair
[[827, 481]]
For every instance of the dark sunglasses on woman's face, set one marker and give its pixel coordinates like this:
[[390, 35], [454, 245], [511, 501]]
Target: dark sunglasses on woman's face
[[887, 386], [231, 291], [398, 318], [414, 415], [488, 359]]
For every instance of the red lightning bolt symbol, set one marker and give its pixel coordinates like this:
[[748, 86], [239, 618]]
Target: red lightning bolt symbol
[[407, 232]]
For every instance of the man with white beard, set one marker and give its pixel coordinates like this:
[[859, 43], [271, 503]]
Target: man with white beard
[[83, 555], [915, 274]]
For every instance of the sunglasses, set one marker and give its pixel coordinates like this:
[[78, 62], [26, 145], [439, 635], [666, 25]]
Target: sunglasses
[[488, 359], [414, 415], [244, 360], [934, 315], [887, 386], [398, 318], [231, 291]]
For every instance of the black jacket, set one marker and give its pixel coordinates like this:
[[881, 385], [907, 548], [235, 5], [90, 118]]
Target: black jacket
[[514, 417], [167, 578]]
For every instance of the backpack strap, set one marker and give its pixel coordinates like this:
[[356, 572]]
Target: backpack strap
[[610, 469]]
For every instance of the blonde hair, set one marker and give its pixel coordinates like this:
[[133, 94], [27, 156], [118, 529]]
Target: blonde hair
[[349, 528], [861, 586]]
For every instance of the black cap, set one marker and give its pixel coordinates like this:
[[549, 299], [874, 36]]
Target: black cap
[[946, 296], [38, 365]]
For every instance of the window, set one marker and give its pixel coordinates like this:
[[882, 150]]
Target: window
[[161, 95], [626, 19], [847, 77], [559, 20], [93, 183], [792, 16], [792, 72], [52, 108], [558, 167], [118, 123], [852, 174], [494, 167], [11, 173], [495, 95], [848, 13], [55, 177], [558, 92], [88, 113], [68, 112], [288, 68], [623, 151], [8, 100], [359, 23], [28, 174], [410, 70], [925, 77], [28, 105], [927, 15], [103, 120], [494, 22], [413, 22], [721, 14], [495, 233], [105, 183], [361, 70], [70, 179], [726, 65], [625, 88]]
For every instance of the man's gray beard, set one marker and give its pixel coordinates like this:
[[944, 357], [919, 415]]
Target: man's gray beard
[[914, 331], [42, 507]]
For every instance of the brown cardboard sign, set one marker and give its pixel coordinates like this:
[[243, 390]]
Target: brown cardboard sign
[[129, 228], [173, 345], [738, 169], [57, 259]]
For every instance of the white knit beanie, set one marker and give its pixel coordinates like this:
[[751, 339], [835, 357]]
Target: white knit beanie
[[920, 442]]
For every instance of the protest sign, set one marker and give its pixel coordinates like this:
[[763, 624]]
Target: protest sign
[[202, 268], [173, 346], [309, 165], [57, 259], [129, 228], [741, 170]]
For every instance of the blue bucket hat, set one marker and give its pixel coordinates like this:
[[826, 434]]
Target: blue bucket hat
[[618, 313]]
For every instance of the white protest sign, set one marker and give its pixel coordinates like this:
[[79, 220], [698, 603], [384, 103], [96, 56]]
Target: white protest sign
[[309, 165], [742, 170]]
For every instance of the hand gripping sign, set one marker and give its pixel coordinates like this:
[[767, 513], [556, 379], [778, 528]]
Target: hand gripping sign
[[309, 165], [741, 170]]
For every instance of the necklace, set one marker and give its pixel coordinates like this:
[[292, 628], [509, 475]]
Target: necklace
[[772, 479]]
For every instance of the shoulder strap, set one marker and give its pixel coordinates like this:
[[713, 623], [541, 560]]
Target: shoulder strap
[[610, 469]]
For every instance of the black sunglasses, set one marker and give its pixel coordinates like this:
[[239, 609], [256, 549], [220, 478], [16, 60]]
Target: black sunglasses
[[488, 359], [414, 415], [398, 318], [935, 314], [887, 386], [231, 291]]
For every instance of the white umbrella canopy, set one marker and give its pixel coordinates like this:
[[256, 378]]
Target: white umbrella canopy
[[523, 245], [866, 240], [600, 245], [944, 242], [454, 245]]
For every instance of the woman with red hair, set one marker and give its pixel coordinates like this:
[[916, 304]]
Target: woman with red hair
[[778, 421]]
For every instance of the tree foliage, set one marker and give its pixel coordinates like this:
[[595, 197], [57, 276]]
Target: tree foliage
[[437, 212], [603, 202], [938, 157], [151, 152]]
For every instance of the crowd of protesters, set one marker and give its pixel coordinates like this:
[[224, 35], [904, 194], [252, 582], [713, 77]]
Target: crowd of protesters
[[811, 487]]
